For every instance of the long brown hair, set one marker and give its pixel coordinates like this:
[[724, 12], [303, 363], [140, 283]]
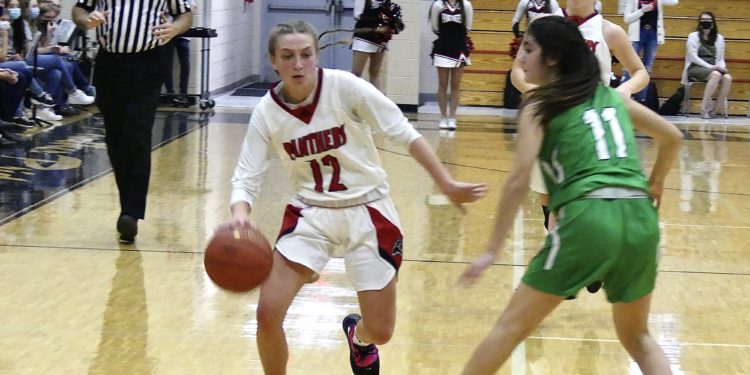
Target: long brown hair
[[714, 30], [577, 67]]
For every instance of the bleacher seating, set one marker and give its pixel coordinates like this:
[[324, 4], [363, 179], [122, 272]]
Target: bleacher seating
[[484, 81]]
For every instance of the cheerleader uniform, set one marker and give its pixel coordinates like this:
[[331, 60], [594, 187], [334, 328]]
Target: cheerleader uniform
[[533, 9], [371, 14], [452, 47]]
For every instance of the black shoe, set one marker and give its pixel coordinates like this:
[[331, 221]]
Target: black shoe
[[180, 101], [23, 122], [128, 228], [4, 142], [42, 99], [595, 286], [66, 110], [10, 127], [362, 359]]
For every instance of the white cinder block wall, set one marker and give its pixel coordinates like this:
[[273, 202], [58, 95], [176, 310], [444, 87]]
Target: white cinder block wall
[[403, 58], [236, 54], [428, 84]]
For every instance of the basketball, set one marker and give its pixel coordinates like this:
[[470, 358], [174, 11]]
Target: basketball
[[238, 259]]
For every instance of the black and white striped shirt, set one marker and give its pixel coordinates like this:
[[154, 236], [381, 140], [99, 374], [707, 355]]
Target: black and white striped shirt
[[128, 26]]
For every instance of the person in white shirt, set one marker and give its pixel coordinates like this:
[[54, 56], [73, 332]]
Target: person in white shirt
[[320, 123], [645, 19], [704, 62]]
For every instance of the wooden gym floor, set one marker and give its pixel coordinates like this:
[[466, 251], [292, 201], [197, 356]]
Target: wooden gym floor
[[74, 301]]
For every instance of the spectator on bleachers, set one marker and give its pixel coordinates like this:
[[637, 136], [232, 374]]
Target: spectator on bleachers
[[10, 60], [45, 22], [645, 19], [21, 38], [704, 62], [532, 9]]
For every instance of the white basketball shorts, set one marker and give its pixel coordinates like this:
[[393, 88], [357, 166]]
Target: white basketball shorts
[[369, 236]]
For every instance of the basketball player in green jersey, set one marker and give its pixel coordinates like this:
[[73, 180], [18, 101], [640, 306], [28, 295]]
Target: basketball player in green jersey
[[607, 226]]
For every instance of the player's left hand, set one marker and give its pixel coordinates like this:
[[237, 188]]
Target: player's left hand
[[475, 269], [656, 189], [459, 192]]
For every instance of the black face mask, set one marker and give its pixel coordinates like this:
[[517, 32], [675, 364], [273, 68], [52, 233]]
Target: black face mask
[[707, 24]]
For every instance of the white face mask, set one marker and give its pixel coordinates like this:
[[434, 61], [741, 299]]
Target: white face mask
[[14, 13]]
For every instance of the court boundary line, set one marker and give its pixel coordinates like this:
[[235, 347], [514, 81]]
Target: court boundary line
[[671, 343]]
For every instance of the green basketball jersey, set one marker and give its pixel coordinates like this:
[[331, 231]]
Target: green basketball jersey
[[588, 147]]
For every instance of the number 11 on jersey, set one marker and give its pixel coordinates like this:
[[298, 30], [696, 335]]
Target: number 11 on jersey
[[594, 120]]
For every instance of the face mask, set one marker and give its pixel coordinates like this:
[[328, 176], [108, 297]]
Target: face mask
[[34, 12], [14, 13], [707, 24]]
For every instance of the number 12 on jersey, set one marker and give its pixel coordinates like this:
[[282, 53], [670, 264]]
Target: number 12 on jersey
[[595, 121], [317, 171]]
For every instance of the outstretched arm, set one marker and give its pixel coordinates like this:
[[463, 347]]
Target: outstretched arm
[[528, 144], [457, 192]]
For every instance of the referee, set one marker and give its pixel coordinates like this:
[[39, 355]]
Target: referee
[[128, 76]]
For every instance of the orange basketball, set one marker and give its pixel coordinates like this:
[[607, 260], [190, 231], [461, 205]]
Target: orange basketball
[[238, 259]]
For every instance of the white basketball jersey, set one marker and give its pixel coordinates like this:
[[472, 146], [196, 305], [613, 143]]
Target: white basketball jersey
[[327, 146], [591, 29]]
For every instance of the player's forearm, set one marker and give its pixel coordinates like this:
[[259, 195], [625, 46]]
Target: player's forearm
[[514, 191], [241, 209], [637, 82], [665, 158], [421, 151]]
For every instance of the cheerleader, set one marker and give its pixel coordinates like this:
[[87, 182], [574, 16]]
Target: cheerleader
[[383, 18], [532, 9], [451, 21]]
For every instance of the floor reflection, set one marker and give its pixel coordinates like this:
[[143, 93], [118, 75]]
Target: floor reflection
[[59, 159], [124, 334]]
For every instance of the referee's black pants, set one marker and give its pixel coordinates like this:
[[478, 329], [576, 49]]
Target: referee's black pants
[[128, 88]]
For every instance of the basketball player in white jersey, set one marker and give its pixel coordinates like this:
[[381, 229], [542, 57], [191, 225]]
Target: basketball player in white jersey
[[605, 39], [320, 123]]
